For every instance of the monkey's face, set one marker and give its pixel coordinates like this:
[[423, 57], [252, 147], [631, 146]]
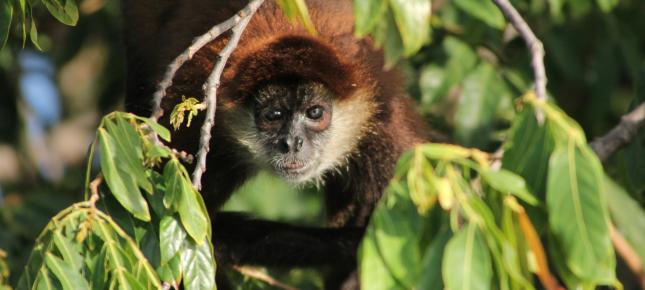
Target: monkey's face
[[292, 120]]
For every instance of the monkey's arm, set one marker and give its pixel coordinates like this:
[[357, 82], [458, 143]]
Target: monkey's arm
[[241, 240]]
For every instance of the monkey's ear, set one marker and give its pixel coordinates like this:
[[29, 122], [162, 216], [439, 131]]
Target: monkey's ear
[[298, 58]]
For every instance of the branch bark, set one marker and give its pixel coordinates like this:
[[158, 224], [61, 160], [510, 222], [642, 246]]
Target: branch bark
[[536, 48], [188, 54], [210, 89], [620, 135]]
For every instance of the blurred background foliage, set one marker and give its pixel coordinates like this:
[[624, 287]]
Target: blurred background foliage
[[466, 81]]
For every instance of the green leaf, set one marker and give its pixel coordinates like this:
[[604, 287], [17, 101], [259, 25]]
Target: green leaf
[[627, 214], [375, 274], [33, 34], [485, 11], [444, 151], [431, 81], [69, 278], [23, 18], [413, 21], [527, 150], [467, 262], [181, 194], [578, 213], [129, 149], [171, 238], [120, 182], [431, 263], [392, 244], [507, 182], [192, 217], [6, 15], [63, 10], [297, 9], [69, 251], [133, 283], [199, 266], [174, 181], [480, 96], [367, 15], [44, 281], [607, 5], [387, 36], [162, 131]]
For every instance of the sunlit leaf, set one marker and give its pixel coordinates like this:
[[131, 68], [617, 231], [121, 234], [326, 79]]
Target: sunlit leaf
[[121, 183], [507, 182], [69, 252], [413, 21], [64, 10], [386, 35], [578, 213], [171, 238], [485, 11], [368, 14], [70, 278], [390, 245], [297, 9], [607, 5], [33, 34], [466, 261], [129, 149], [199, 266]]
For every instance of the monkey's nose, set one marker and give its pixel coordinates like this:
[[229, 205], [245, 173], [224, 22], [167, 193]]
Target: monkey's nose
[[291, 143]]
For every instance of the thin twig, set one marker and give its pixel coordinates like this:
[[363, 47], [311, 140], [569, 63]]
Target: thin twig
[[264, 277], [535, 46], [188, 54], [94, 188], [629, 255], [210, 89], [620, 135]]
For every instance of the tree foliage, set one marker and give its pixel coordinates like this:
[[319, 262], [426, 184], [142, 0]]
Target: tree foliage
[[537, 213]]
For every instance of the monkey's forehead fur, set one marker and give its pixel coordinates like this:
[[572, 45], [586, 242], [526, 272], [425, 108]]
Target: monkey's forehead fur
[[273, 48]]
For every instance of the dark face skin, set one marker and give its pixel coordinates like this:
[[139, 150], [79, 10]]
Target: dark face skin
[[291, 119]]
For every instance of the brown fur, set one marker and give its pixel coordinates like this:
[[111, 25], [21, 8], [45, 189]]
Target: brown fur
[[374, 111]]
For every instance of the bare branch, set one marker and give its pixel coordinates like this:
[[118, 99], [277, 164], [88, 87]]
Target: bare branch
[[188, 54], [210, 89], [264, 277], [535, 46], [620, 135]]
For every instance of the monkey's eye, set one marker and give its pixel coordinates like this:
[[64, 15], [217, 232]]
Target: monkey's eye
[[315, 112], [273, 115]]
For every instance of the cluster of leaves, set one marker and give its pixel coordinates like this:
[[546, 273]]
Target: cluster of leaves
[[65, 11], [4, 272], [450, 220], [151, 228], [401, 27]]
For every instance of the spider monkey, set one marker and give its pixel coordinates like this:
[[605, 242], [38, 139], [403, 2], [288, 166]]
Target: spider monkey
[[311, 108]]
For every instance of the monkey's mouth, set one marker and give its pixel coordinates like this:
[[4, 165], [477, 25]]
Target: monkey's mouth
[[293, 170]]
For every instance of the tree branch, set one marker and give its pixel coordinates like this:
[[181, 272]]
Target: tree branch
[[620, 135], [536, 49], [188, 54], [210, 89]]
